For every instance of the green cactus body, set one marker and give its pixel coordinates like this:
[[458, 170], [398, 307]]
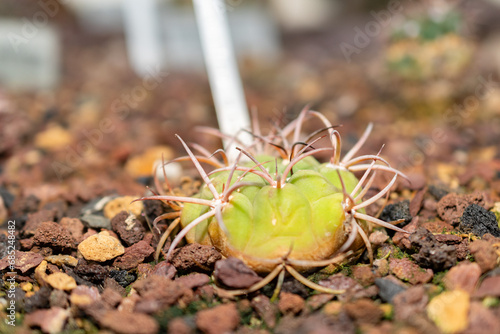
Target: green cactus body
[[303, 219]]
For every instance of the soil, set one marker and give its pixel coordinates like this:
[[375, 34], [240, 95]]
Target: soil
[[84, 267]]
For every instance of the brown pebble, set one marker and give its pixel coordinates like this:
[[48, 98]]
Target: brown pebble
[[490, 286], [53, 235], [50, 321], [406, 270], [463, 276], [363, 274], [164, 269], [194, 280], [451, 207], [128, 227], [134, 255], [24, 261], [265, 309], [129, 323], [179, 326], [35, 219], [416, 202], [74, 226], [233, 273], [195, 257], [111, 297], [290, 303], [364, 311], [220, 319], [482, 320], [484, 254]]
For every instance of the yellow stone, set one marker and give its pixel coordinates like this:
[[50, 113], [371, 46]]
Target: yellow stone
[[450, 311], [61, 281], [59, 260], [26, 286], [101, 247], [387, 309], [142, 165], [113, 207], [53, 138], [332, 308]]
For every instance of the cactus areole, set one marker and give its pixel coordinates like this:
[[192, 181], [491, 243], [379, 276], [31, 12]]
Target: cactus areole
[[285, 211]]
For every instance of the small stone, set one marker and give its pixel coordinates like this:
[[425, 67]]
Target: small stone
[[53, 235], [479, 221], [490, 287], [333, 308], [450, 311], [35, 219], [84, 295], [123, 277], [37, 300], [96, 221], [58, 298], [484, 254], [124, 203], [408, 271], [195, 257], [381, 267], [396, 211], [53, 138], [431, 254], [129, 323], [128, 227], [24, 261], [195, 280], [134, 255], [363, 274], [377, 238], [388, 289], [344, 283], [220, 319], [164, 269], [50, 321], [265, 309], [142, 165], [92, 272], [316, 301], [233, 273], [100, 247], [160, 290], [464, 276], [59, 260], [74, 226], [290, 303], [179, 326], [482, 320], [111, 297], [61, 281], [364, 311], [416, 202], [409, 307]]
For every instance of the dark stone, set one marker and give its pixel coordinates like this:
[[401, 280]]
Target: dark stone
[[123, 277], [396, 211], [195, 257], [431, 253], [128, 228], [388, 289], [438, 192], [92, 272], [479, 221], [41, 299], [233, 273], [7, 196]]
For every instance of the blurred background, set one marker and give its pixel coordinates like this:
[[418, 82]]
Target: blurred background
[[92, 92]]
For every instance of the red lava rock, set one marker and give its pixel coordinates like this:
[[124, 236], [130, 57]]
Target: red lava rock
[[352, 288], [195, 257], [50, 321], [448, 239], [363, 274], [53, 235], [35, 219], [74, 226], [364, 311], [233, 273], [24, 261], [128, 227], [416, 202], [158, 292], [58, 298], [129, 323], [26, 244], [490, 286], [482, 320], [164, 269], [484, 254], [265, 309], [451, 207], [220, 319], [462, 249], [377, 238], [463, 276], [93, 272], [406, 270], [290, 303], [193, 280], [144, 269], [134, 255], [438, 226]]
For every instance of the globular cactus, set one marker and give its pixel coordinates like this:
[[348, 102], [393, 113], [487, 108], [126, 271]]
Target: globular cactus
[[289, 212]]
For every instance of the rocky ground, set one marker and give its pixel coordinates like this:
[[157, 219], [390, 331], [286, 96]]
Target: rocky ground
[[71, 163]]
